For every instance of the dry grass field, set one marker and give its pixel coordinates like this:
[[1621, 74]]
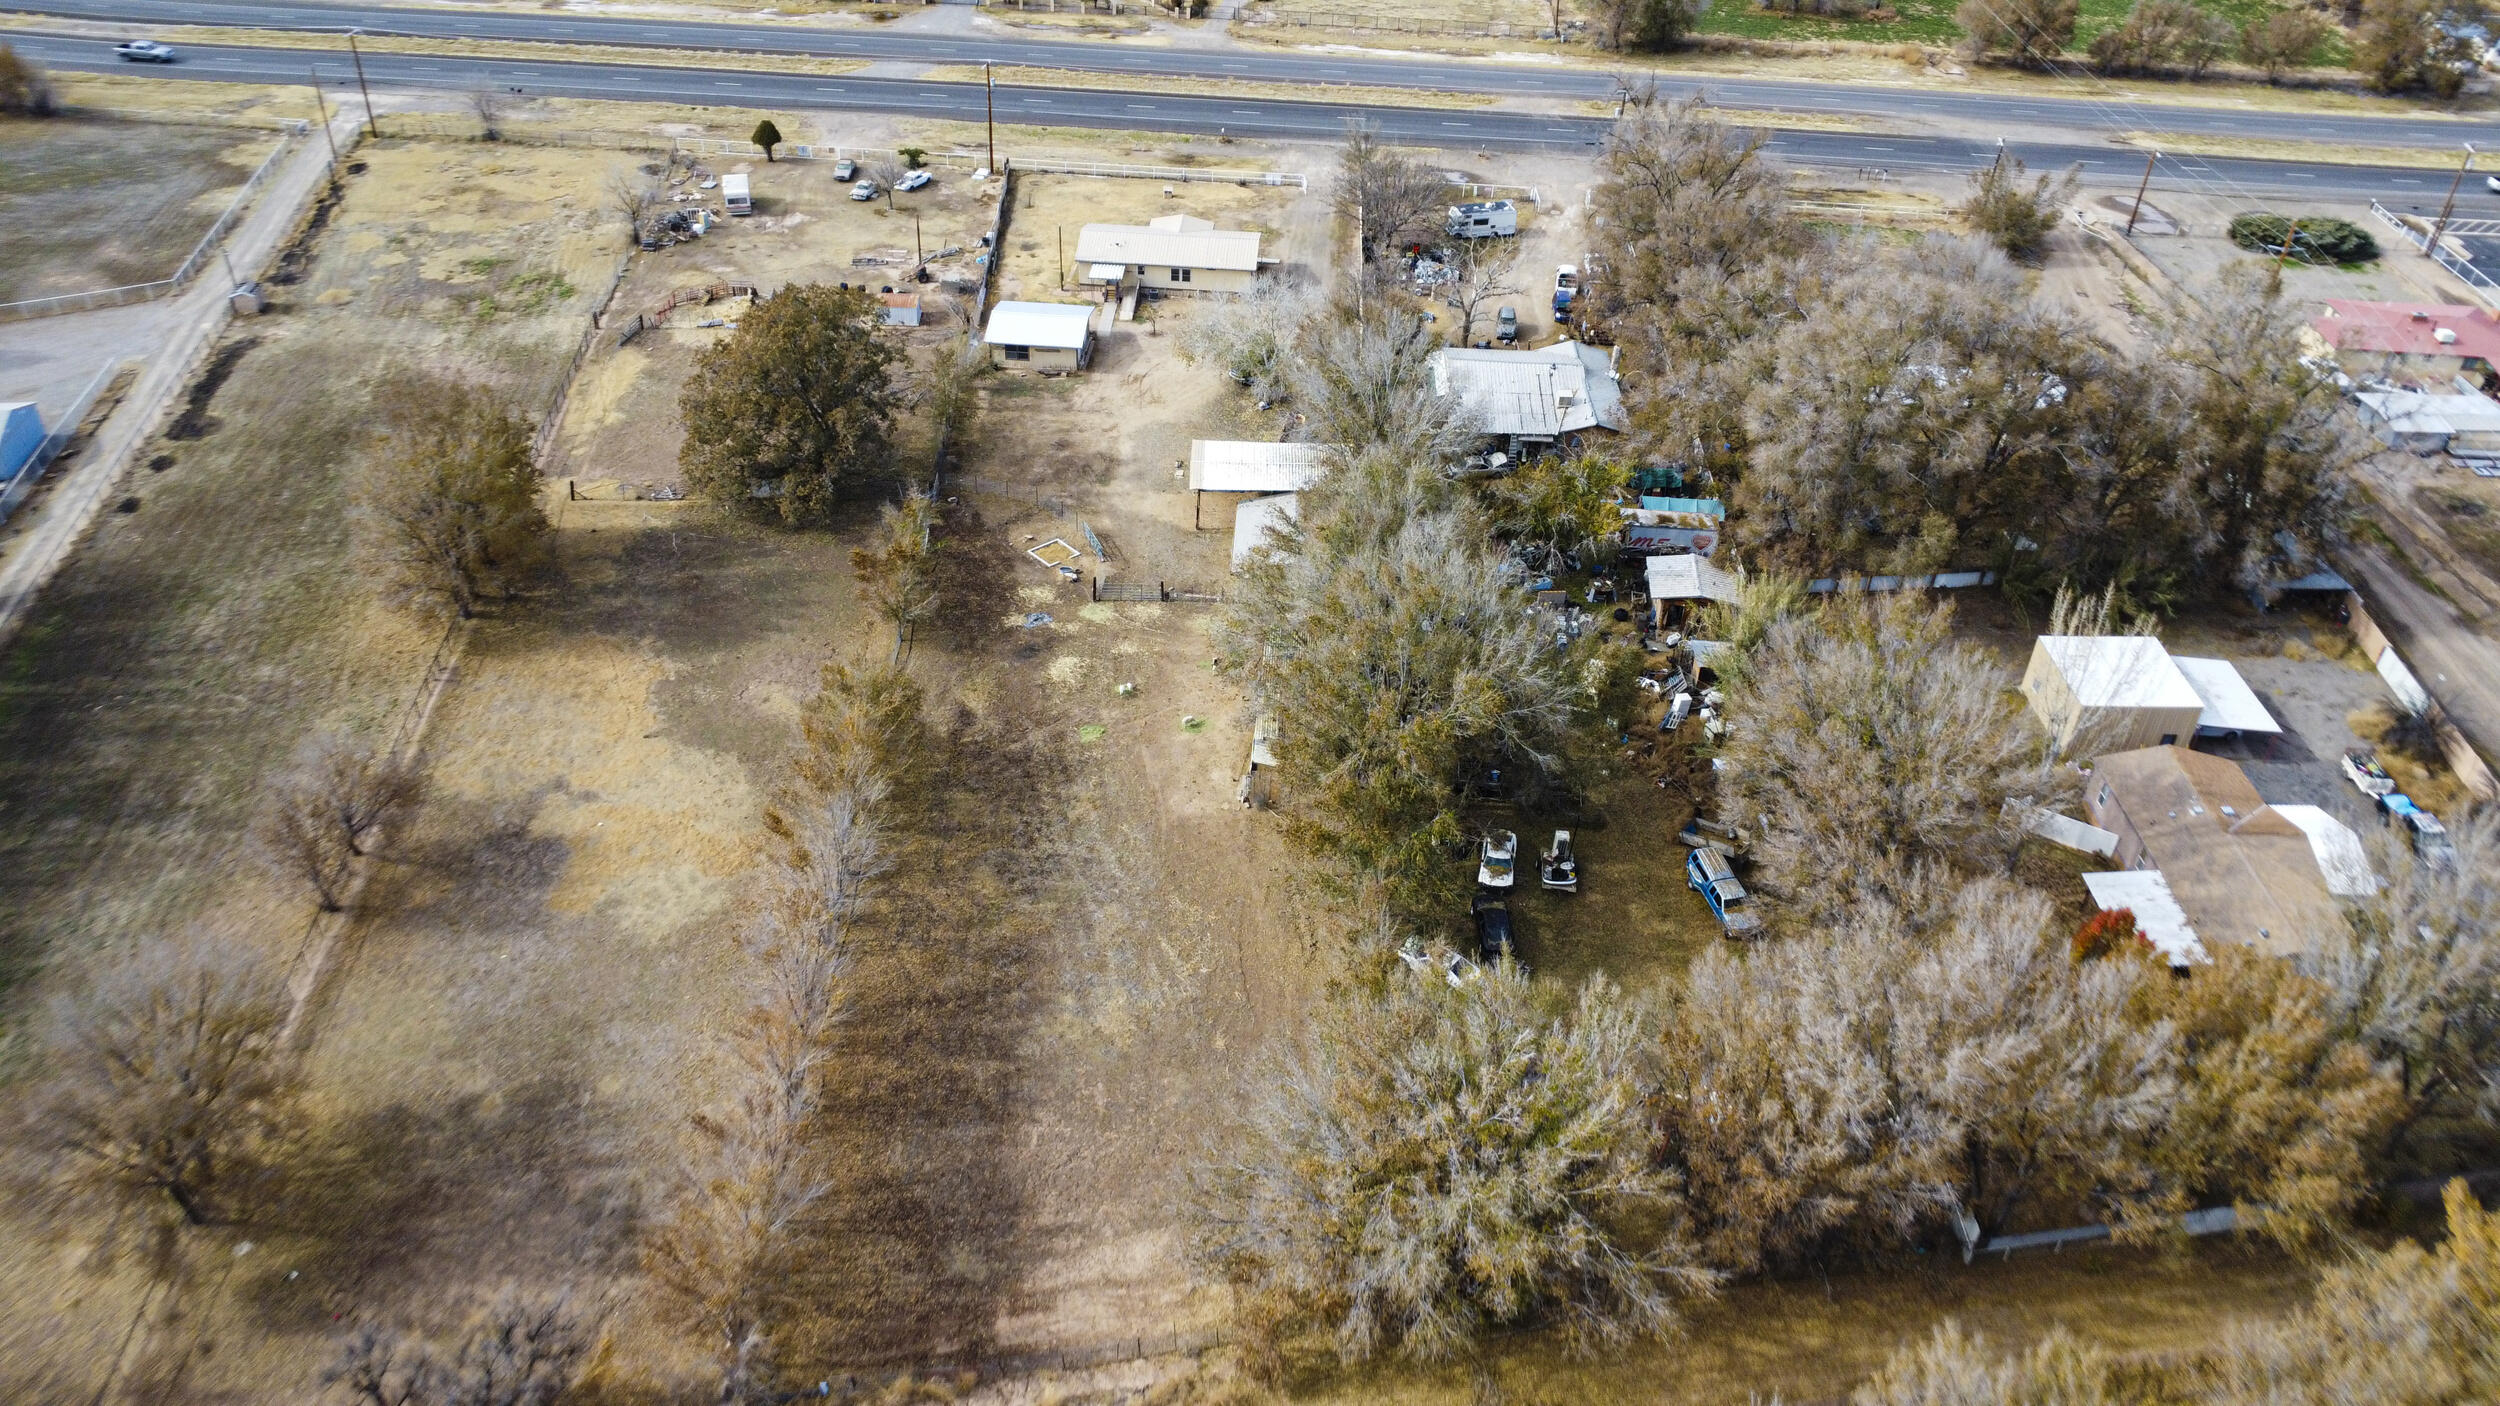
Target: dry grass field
[[94, 203], [217, 619]]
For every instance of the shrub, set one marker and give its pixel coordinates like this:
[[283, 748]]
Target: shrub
[[2319, 239], [2105, 934]]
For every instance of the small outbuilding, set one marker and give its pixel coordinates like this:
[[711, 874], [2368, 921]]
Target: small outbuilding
[[901, 309], [2109, 693], [1174, 251], [1040, 336]]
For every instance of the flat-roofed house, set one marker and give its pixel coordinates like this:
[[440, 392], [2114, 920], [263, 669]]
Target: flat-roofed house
[[2109, 693], [1174, 251]]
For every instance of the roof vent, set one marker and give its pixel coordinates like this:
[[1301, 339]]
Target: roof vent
[[2444, 336], [2227, 810], [2421, 317]]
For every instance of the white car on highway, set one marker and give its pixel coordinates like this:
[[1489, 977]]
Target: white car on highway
[[144, 51]]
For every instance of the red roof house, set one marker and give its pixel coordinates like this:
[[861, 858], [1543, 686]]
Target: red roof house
[[2434, 339]]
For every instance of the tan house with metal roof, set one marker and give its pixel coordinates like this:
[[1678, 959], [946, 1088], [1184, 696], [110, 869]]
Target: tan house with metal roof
[[2241, 870], [1175, 251]]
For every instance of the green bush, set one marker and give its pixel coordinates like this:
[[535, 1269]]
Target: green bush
[[2319, 239]]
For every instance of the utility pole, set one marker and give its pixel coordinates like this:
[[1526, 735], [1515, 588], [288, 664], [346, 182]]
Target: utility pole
[[989, 93], [917, 257], [2430, 250], [2141, 186], [371, 130], [2291, 237], [324, 108]]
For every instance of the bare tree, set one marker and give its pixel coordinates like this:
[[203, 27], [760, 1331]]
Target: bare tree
[[1910, 1066], [1368, 383], [1384, 194], [517, 1350], [450, 510], [1484, 269], [488, 106], [25, 91], [898, 573], [2283, 41], [1865, 746], [1251, 337], [169, 1081], [885, 171], [324, 810], [722, 1246], [1435, 1165], [631, 196]]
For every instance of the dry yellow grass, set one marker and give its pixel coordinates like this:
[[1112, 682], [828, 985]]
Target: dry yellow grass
[[1222, 87], [2269, 149]]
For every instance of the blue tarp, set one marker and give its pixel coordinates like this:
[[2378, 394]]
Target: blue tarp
[[21, 434]]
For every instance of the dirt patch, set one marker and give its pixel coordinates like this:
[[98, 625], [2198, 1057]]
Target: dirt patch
[[93, 203]]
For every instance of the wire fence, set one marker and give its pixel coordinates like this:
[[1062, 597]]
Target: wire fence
[[141, 292]]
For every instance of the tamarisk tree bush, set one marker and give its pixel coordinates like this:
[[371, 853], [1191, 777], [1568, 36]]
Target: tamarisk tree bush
[[1435, 1163]]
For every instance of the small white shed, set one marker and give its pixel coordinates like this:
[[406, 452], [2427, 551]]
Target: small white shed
[[2099, 694], [1252, 466], [1041, 336], [2231, 706]]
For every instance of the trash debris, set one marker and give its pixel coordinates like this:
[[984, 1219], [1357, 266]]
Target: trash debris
[[1037, 618], [1127, 690]]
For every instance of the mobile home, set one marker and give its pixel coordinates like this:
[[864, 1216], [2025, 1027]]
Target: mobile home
[[734, 194]]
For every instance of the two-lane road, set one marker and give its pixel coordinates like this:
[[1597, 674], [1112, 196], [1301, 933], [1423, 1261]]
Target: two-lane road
[[1239, 116], [2094, 107]]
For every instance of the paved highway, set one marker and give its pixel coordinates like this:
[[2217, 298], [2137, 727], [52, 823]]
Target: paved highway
[[1246, 117], [2096, 106]]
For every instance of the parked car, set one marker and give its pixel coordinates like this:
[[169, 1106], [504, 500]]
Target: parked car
[[1495, 937], [846, 170], [1566, 288], [1559, 868], [2365, 773], [2395, 806], [1497, 861], [2492, 183], [1708, 873], [1506, 325], [2430, 841], [865, 190], [144, 51], [912, 181]]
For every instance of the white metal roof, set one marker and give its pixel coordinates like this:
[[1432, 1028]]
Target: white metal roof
[[2146, 894], [2230, 704], [2120, 671], [1107, 273], [2417, 412], [1536, 393], [2341, 858], [1060, 325], [1175, 241], [1689, 578], [1255, 465], [1254, 520]]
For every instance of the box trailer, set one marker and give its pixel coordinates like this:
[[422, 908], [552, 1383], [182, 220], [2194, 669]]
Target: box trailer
[[734, 194]]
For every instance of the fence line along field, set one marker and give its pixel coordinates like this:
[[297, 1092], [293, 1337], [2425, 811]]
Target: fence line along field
[[218, 619]]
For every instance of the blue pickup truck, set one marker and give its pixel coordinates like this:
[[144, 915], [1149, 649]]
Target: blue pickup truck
[[1708, 873]]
